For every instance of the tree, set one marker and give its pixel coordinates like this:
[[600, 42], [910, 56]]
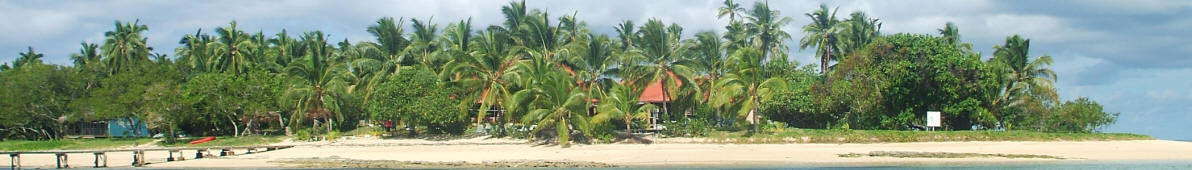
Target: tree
[[661, 50], [746, 85], [730, 9], [894, 81], [821, 33], [484, 69], [621, 102], [766, 27], [314, 97], [1020, 78], [1081, 116], [125, 47], [552, 99], [416, 97], [857, 32], [233, 50], [37, 100], [28, 58]]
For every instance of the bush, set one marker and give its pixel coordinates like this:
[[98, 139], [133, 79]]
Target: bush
[[303, 135], [688, 128], [332, 136]]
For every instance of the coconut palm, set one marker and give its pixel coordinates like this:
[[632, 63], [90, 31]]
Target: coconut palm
[[314, 96], [88, 55], [424, 47], [233, 52], [821, 33], [730, 9], [857, 32], [621, 102], [745, 85], [28, 58], [951, 33], [552, 98], [766, 27], [194, 51], [125, 47], [484, 68], [661, 49], [1021, 77]]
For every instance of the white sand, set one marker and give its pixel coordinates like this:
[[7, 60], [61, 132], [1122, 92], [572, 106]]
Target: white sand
[[478, 150]]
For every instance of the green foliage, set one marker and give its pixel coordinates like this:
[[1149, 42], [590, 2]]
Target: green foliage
[[416, 96], [898, 78]]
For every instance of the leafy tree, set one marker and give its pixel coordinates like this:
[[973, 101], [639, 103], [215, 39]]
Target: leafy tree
[[37, 100], [898, 78], [1081, 115], [417, 97]]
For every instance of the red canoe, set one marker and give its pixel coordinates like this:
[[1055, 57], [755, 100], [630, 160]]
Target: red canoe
[[207, 139]]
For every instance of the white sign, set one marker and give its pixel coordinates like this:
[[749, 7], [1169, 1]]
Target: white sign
[[933, 119]]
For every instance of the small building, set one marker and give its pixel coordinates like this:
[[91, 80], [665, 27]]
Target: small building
[[122, 127]]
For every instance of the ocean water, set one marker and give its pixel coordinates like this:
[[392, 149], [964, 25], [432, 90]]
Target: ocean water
[[1040, 166]]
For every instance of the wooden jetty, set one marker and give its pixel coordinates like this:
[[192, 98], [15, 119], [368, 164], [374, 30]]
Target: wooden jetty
[[101, 156]]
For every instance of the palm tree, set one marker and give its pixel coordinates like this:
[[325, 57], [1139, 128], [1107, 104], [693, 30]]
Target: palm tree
[[951, 33], [661, 48], [730, 9], [195, 51], [857, 32], [1021, 77], [125, 47], [88, 55], [766, 26], [484, 68], [515, 15], [234, 49], [621, 102], [821, 33], [553, 100], [424, 45], [28, 58], [746, 85], [315, 95], [391, 45], [704, 55], [626, 35]]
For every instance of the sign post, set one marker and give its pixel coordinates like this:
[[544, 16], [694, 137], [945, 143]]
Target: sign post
[[933, 120]]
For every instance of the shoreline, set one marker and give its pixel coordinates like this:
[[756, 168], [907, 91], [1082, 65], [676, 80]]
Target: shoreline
[[484, 152]]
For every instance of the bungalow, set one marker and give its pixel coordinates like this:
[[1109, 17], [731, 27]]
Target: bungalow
[[121, 127]]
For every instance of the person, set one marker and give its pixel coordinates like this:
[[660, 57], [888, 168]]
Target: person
[[388, 125]]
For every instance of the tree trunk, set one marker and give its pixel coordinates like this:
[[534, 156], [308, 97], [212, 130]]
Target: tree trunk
[[235, 128]]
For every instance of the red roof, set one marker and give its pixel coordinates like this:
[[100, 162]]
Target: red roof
[[653, 92]]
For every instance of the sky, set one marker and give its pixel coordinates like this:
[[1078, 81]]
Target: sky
[[1133, 56]]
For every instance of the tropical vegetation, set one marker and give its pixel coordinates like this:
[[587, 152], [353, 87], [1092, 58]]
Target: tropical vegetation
[[545, 76]]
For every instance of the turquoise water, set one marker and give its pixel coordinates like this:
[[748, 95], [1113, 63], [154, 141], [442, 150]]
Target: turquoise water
[[1047, 166]]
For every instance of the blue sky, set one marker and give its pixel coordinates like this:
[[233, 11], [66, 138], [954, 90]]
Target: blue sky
[[1131, 56]]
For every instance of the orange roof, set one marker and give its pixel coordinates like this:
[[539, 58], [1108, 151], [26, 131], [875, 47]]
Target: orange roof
[[653, 92]]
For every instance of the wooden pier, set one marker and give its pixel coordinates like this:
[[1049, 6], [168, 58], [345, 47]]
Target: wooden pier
[[101, 156]]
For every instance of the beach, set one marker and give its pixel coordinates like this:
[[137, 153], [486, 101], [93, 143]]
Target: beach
[[484, 152]]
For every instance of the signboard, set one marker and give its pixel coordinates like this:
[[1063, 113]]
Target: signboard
[[933, 119]]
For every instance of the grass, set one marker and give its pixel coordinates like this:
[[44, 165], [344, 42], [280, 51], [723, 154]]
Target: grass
[[71, 144], [883, 136], [226, 141]]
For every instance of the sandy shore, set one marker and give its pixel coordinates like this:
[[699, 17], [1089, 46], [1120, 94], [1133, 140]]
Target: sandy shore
[[480, 150]]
